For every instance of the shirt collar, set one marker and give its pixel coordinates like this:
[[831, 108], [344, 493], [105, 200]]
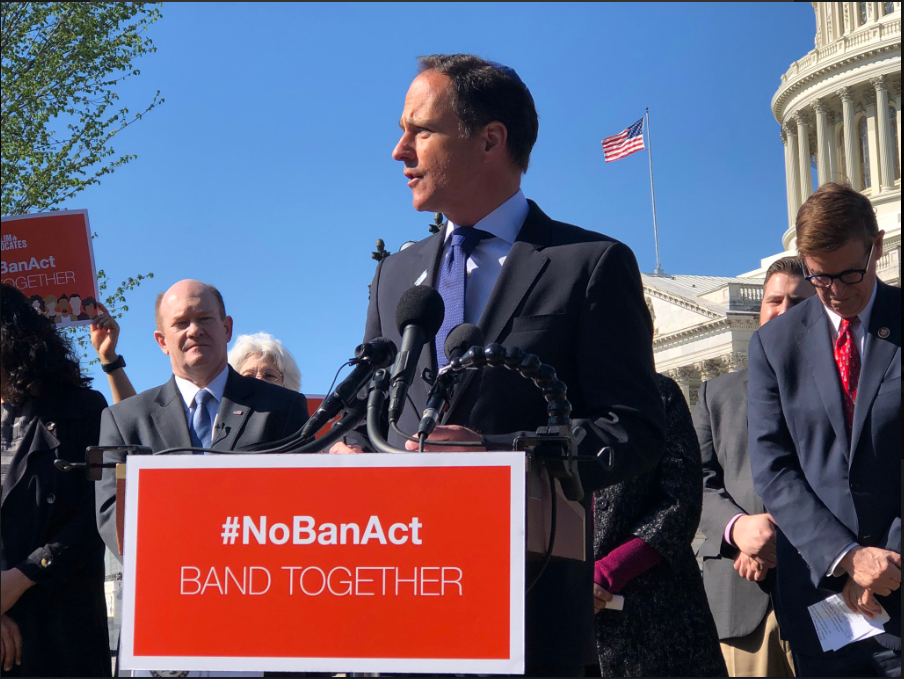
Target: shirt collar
[[863, 316], [504, 222], [189, 390]]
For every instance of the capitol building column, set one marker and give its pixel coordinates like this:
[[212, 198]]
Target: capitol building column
[[792, 176], [803, 148], [834, 167], [886, 163], [851, 157], [823, 168]]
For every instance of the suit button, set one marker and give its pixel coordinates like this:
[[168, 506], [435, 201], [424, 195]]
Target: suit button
[[51, 499], [604, 505], [855, 486]]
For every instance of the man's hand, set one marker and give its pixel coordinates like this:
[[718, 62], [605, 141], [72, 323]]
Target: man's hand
[[875, 569], [749, 568], [754, 534], [13, 584], [104, 335], [341, 449], [600, 597], [860, 600], [449, 432], [10, 643]]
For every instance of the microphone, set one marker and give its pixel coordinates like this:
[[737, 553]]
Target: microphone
[[462, 338], [371, 356], [419, 316]]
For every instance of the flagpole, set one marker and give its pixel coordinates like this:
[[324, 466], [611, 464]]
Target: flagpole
[[658, 270]]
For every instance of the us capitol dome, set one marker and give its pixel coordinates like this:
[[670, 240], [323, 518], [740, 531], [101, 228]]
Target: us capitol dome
[[839, 112]]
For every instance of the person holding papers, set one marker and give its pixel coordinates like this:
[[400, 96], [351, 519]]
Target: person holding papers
[[825, 440]]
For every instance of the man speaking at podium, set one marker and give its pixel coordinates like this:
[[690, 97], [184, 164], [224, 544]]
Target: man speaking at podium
[[570, 296]]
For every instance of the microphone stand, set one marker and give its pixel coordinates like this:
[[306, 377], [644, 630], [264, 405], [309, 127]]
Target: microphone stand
[[94, 455], [376, 401]]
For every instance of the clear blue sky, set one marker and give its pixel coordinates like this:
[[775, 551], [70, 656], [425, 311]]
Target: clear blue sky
[[267, 172]]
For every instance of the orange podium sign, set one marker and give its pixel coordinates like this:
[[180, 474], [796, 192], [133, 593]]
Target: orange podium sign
[[325, 563], [48, 256]]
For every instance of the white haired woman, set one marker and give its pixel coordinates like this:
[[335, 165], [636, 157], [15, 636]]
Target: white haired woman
[[263, 356]]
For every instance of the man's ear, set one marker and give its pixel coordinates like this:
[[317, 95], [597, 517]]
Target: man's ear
[[161, 341], [494, 136], [880, 241], [227, 323]]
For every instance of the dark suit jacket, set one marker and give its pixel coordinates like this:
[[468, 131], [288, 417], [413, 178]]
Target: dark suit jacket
[[252, 411], [574, 298], [720, 419], [49, 534], [825, 488]]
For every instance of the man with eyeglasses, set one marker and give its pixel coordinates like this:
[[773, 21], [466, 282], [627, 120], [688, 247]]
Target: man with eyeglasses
[[825, 437]]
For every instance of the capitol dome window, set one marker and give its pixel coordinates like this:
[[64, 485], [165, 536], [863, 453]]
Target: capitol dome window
[[864, 153], [861, 6], [888, 8]]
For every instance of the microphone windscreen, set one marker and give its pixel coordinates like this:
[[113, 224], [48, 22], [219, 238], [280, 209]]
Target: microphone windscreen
[[463, 337], [382, 352], [422, 306]]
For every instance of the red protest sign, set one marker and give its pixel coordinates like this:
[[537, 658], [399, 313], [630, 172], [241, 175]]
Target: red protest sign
[[352, 563], [48, 256]]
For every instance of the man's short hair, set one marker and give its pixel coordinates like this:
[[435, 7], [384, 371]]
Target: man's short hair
[[221, 307], [833, 216], [790, 266], [483, 93]]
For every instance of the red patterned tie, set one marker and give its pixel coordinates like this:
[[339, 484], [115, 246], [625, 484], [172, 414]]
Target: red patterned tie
[[847, 358]]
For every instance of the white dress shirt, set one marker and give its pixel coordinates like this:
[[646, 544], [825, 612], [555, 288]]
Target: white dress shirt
[[486, 260], [189, 390], [859, 330]]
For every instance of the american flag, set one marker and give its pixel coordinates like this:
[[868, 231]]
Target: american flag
[[624, 143]]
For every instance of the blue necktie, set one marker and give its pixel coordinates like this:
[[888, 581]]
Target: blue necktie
[[453, 281], [200, 420]]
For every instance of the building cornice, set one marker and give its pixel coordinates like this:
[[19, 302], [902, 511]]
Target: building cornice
[[678, 301], [735, 321], [877, 39]]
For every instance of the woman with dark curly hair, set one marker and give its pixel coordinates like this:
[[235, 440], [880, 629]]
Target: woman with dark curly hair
[[53, 620]]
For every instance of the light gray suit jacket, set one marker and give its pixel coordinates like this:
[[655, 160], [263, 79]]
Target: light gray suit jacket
[[720, 419], [252, 411]]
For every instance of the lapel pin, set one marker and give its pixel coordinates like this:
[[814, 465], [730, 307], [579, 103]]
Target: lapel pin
[[236, 412], [884, 333], [421, 278]]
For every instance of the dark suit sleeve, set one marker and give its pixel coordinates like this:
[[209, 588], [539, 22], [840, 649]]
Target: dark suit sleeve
[[372, 329], [670, 524], [892, 538], [105, 489], [618, 382], [777, 475], [374, 326], [718, 506], [50, 565], [297, 415]]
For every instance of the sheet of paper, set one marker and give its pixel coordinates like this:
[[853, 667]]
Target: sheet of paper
[[837, 625], [617, 603]]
